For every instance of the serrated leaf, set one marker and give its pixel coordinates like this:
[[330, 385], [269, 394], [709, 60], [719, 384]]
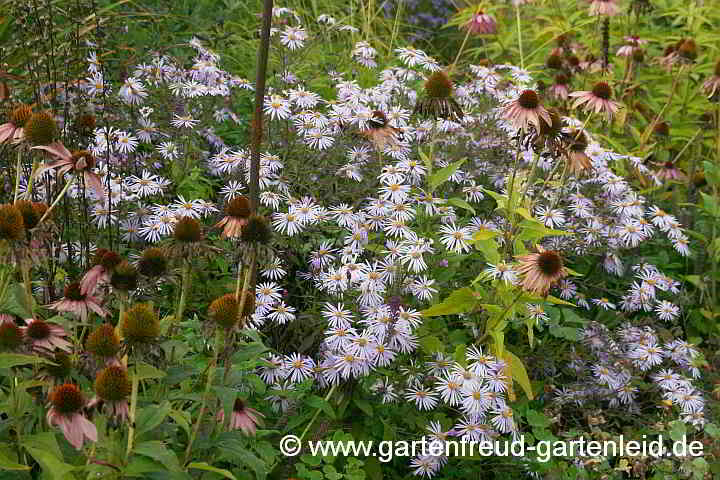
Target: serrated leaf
[[9, 360], [144, 371], [159, 452], [44, 449], [537, 419], [150, 417], [321, 404], [209, 468], [431, 344], [364, 405]]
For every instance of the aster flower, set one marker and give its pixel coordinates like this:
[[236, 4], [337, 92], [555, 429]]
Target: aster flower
[[526, 110], [597, 100], [541, 270], [45, 336], [74, 301], [242, 417], [77, 162], [67, 403]]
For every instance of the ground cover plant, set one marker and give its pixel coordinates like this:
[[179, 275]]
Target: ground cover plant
[[469, 221]]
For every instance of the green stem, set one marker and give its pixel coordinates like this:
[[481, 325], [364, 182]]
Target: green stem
[[519, 30], [462, 48], [57, 200], [206, 394], [317, 412], [18, 168], [133, 408], [184, 288]]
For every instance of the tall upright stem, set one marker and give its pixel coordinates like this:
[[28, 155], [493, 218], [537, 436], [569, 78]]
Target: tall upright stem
[[257, 124], [519, 30], [133, 409]]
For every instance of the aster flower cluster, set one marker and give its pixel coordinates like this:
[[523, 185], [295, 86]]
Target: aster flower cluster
[[619, 362]]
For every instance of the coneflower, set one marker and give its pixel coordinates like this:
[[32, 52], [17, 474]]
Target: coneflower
[[711, 86], [45, 336], [481, 24], [578, 161], [153, 262], [140, 325], [607, 8], [526, 110], [79, 162], [438, 101], [103, 342], [78, 303], [224, 311], [113, 387], [541, 270], [554, 62], [257, 231], [30, 212], [242, 417], [40, 128], [597, 100], [11, 335], [12, 225], [379, 132], [67, 403], [124, 277], [559, 90], [13, 130], [237, 212], [104, 262]]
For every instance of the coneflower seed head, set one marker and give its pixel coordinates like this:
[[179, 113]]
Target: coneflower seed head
[[238, 207], [112, 384], [140, 324], [73, 292], [187, 230], [550, 263], [11, 336], [40, 128], [67, 398], [224, 310], [153, 262], [602, 90], [103, 342], [529, 99], [12, 226], [20, 115], [38, 330], [29, 213], [257, 230], [124, 277], [87, 159], [439, 85]]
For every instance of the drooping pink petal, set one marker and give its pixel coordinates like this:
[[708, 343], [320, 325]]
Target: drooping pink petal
[[94, 182], [90, 279], [57, 149]]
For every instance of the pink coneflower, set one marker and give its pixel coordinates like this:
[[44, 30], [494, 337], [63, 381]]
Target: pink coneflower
[[74, 301], [541, 270], [113, 388], [67, 403], [13, 130], [237, 212], [669, 171], [104, 263], [45, 336], [76, 162], [597, 100], [242, 417], [632, 44], [604, 7], [559, 90], [711, 86], [12, 336], [526, 110], [481, 24], [379, 132]]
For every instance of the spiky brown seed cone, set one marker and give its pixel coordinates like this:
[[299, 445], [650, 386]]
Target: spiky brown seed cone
[[140, 324], [257, 230], [662, 129], [602, 90], [11, 336], [555, 126], [113, 384], [554, 62], [107, 258], [439, 85], [63, 365], [529, 99], [67, 398], [40, 209], [73, 292], [687, 49], [238, 207], [12, 226], [20, 115], [85, 122], [40, 129], [87, 159], [562, 79], [249, 307], [124, 277], [153, 262], [224, 310], [38, 330], [28, 212], [103, 342], [187, 230]]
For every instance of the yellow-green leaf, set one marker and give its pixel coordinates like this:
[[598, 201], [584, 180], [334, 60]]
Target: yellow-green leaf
[[519, 373]]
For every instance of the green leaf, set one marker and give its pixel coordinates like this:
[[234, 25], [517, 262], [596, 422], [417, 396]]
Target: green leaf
[[209, 468], [373, 469], [710, 205], [364, 405], [431, 344], [321, 404], [518, 372], [151, 417], [15, 301], [460, 301], [442, 175], [677, 430], [9, 360], [712, 173], [144, 371], [536, 419], [558, 301], [460, 355], [712, 430], [158, 451], [44, 449], [6, 463], [459, 202]]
